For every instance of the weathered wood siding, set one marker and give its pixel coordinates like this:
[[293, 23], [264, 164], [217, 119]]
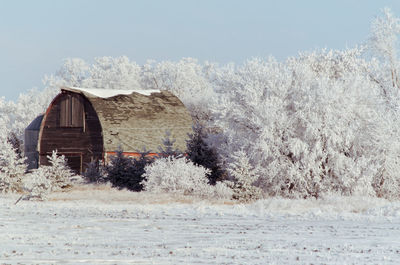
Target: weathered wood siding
[[79, 144]]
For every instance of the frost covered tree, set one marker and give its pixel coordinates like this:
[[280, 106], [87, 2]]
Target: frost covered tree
[[16, 143], [59, 174], [187, 79], [12, 167], [310, 125], [244, 177], [383, 42], [73, 72], [95, 172], [12, 164], [168, 147], [39, 183], [125, 172], [181, 176], [202, 154], [16, 116], [118, 170], [113, 73]]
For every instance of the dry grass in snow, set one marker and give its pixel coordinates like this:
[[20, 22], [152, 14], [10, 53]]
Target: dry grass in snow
[[104, 193]]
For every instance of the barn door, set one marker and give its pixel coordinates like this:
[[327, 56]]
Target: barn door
[[71, 111], [74, 161]]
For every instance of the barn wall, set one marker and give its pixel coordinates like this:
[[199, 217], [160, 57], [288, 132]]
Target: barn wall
[[79, 144], [31, 138], [30, 148]]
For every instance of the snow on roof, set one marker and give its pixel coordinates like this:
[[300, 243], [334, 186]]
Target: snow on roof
[[107, 93], [136, 120]]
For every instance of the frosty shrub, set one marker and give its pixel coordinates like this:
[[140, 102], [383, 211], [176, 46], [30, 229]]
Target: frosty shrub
[[124, 172], [58, 173], [46, 179], [175, 175], [244, 177], [95, 173], [37, 184], [12, 167], [202, 154], [222, 190], [181, 176]]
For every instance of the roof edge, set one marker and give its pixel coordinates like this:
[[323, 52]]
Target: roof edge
[[107, 93]]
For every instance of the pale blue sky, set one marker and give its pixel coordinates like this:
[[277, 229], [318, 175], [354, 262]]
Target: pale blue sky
[[35, 36]]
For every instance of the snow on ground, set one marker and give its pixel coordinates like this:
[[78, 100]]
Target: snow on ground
[[105, 226]]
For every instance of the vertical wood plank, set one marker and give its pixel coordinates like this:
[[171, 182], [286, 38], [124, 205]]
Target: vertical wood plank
[[77, 112]]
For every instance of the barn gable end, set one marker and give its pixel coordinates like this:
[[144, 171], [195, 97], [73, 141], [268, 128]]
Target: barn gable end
[[78, 138]]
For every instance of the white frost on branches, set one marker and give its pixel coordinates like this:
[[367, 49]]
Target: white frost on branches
[[314, 124], [187, 79], [12, 167], [245, 177], [59, 174], [321, 122], [37, 184], [181, 176], [46, 179], [383, 42]]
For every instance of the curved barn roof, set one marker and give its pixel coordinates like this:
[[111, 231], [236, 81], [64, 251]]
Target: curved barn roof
[[134, 119], [35, 124]]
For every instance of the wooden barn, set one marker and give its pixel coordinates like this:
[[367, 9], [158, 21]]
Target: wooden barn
[[90, 124]]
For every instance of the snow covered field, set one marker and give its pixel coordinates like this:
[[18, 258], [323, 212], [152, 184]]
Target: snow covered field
[[110, 227]]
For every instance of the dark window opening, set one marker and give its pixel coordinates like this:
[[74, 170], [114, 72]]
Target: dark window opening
[[74, 161], [71, 111]]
